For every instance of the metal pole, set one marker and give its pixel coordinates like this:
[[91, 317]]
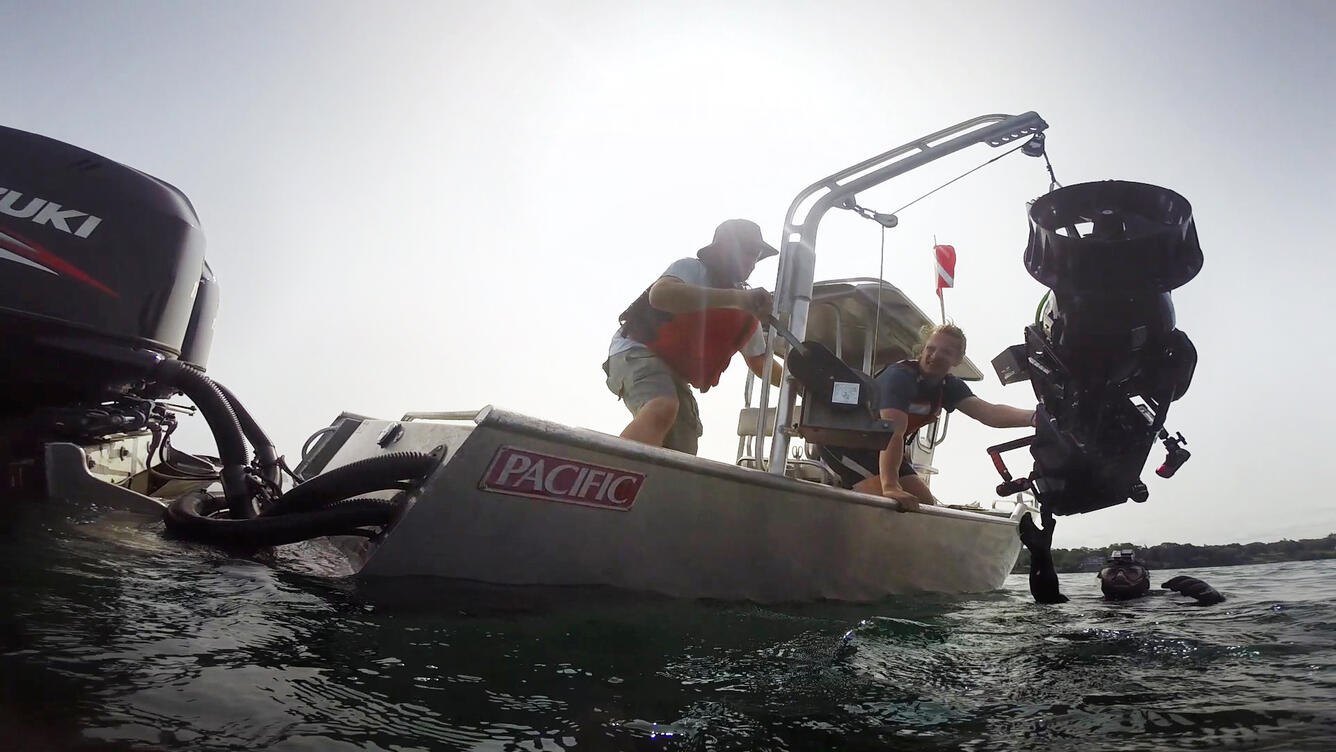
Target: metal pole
[[797, 256]]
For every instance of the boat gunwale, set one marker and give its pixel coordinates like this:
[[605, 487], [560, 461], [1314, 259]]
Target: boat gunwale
[[505, 420]]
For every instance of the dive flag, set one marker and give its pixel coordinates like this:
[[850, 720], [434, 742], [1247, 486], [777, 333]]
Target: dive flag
[[946, 267]]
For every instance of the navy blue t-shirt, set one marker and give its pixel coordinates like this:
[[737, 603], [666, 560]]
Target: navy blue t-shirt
[[899, 387]]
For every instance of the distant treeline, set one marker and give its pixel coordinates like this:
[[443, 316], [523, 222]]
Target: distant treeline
[[1181, 555]]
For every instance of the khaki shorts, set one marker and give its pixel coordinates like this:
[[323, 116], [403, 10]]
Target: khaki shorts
[[638, 376]]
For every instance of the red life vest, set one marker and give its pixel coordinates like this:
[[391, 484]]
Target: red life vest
[[698, 346]]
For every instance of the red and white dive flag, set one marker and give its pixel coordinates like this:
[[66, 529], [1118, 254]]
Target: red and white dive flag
[[946, 267]]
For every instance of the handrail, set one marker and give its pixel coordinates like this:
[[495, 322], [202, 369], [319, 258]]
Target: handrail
[[937, 436], [473, 415], [839, 330], [797, 255]]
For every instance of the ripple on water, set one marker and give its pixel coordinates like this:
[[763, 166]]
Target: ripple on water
[[112, 635]]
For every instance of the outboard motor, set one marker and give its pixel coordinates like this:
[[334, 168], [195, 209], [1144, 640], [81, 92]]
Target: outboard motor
[[102, 266], [104, 280], [106, 310]]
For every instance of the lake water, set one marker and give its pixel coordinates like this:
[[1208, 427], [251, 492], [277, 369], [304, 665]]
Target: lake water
[[115, 639]]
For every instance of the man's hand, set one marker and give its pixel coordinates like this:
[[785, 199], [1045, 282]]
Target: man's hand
[[756, 301], [1195, 588], [907, 501]]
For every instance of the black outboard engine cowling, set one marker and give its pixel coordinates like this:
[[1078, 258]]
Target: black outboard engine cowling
[[106, 311], [199, 333], [97, 258], [1106, 360]]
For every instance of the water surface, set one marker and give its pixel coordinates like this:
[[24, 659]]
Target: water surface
[[113, 638]]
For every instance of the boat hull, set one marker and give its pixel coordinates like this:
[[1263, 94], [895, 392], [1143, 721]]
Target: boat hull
[[526, 502]]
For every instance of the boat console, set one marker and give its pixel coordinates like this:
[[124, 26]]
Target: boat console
[[857, 327]]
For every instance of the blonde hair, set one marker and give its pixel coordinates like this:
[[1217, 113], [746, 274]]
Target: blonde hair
[[949, 328]]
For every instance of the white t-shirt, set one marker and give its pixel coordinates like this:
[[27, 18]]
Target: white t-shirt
[[693, 272]]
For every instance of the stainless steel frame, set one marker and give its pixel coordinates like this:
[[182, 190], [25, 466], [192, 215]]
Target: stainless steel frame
[[797, 255]]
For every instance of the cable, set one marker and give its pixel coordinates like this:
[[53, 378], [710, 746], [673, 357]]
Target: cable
[[283, 464], [1053, 183], [881, 280], [1039, 311], [958, 177]]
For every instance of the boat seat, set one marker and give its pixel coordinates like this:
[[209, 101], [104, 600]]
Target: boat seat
[[837, 401], [808, 468], [748, 415]]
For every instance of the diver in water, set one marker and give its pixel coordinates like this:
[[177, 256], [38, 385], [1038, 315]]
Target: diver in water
[[1124, 578]]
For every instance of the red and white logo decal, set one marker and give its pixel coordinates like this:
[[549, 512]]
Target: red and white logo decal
[[20, 250], [519, 472]]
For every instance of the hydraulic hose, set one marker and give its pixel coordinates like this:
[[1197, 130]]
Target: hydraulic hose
[[319, 507], [363, 476], [1039, 309], [264, 448], [188, 518], [226, 430]]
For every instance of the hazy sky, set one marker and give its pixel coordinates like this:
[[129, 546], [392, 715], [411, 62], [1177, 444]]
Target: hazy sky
[[436, 205]]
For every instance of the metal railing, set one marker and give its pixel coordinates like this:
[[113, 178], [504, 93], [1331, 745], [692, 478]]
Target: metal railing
[[797, 257]]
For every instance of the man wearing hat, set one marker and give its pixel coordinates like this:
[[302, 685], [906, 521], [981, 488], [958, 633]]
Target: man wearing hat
[[683, 330]]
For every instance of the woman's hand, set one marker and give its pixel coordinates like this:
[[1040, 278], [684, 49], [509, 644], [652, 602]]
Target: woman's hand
[[906, 501]]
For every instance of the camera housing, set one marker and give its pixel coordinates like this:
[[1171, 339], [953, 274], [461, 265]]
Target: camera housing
[[1105, 358]]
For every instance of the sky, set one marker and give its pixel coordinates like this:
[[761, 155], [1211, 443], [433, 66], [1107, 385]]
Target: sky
[[443, 205]]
